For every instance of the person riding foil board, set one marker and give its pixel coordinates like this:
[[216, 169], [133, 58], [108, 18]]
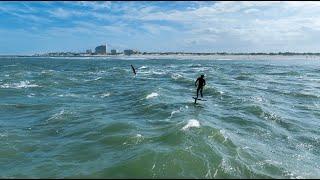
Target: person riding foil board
[[201, 83]]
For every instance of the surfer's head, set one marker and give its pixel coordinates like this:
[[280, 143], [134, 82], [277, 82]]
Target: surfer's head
[[202, 76]]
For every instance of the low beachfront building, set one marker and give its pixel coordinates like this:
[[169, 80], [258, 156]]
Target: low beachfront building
[[113, 52], [128, 52]]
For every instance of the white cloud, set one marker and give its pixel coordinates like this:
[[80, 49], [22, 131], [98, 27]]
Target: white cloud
[[245, 22], [251, 11], [206, 24], [96, 5], [63, 13], [158, 29]]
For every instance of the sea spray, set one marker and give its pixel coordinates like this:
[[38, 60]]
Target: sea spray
[[152, 95], [191, 123]]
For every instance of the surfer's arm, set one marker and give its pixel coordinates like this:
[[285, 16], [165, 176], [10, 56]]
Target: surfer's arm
[[204, 82]]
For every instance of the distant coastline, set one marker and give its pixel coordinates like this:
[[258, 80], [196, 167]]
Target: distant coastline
[[69, 54]]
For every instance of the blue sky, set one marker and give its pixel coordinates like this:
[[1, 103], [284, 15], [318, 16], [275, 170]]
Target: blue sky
[[215, 26]]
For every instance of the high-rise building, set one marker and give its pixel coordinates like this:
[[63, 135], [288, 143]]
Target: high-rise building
[[101, 49], [113, 52]]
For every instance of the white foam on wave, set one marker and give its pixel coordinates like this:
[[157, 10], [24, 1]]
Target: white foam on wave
[[176, 76], [138, 138], [173, 112], [105, 95], [93, 79], [158, 73], [97, 73], [152, 95], [191, 123], [31, 95], [224, 134], [142, 67], [57, 115], [73, 79], [145, 72], [46, 71], [69, 95], [195, 65], [257, 98], [3, 135], [22, 84]]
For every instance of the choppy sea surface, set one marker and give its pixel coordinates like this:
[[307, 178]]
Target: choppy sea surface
[[92, 118]]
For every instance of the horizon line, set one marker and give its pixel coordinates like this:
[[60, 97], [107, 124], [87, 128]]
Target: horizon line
[[176, 52]]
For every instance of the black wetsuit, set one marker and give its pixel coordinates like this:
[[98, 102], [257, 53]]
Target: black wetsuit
[[201, 83]]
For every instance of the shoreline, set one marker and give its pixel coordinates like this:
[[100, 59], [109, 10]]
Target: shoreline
[[159, 54]]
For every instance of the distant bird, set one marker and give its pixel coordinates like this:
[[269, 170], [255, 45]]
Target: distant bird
[[134, 71]]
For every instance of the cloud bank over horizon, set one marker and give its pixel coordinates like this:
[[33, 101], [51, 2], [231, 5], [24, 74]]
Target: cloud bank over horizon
[[215, 26]]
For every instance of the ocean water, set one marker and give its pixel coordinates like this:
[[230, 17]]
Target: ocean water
[[92, 118]]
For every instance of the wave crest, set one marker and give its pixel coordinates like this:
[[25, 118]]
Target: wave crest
[[152, 95], [22, 84], [191, 123]]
